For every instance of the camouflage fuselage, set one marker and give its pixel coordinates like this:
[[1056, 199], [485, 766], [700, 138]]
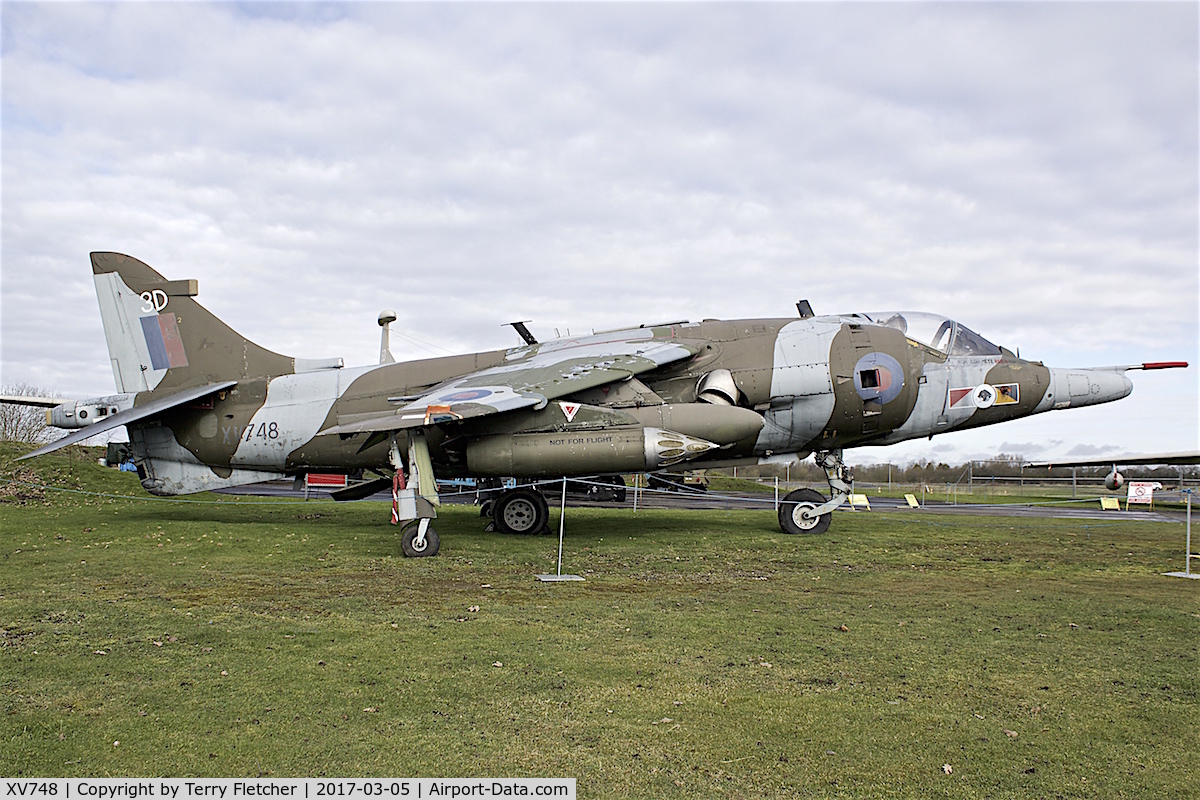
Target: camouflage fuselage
[[804, 377], [207, 408]]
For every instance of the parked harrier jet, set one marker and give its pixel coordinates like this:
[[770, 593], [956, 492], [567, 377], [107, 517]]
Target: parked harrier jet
[[205, 408], [1114, 480]]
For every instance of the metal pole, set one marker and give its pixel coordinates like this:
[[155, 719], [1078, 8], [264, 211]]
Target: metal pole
[[1074, 470], [562, 517], [1187, 561], [637, 484], [776, 494]]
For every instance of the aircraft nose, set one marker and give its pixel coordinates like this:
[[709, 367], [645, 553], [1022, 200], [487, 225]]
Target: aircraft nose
[[1088, 387]]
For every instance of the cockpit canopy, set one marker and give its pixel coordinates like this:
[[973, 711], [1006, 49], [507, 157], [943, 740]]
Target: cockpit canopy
[[936, 332]]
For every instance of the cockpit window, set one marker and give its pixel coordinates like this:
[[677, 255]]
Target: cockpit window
[[969, 343], [943, 337], [936, 332]]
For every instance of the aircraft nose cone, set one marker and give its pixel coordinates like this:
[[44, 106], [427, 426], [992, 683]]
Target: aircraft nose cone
[[1088, 387]]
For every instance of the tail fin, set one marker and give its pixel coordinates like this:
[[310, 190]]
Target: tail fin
[[158, 336]]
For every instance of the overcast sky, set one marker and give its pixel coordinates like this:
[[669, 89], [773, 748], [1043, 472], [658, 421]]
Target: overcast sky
[[1029, 169]]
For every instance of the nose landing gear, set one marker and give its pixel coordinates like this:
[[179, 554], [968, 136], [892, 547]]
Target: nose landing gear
[[795, 512], [807, 510]]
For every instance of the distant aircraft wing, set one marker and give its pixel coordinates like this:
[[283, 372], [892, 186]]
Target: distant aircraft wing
[[28, 400], [535, 376], [149, 409], [1148, 459]]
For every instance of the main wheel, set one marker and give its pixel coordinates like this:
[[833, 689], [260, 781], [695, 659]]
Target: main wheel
[[791, 511], [429, 546], [521, 511]]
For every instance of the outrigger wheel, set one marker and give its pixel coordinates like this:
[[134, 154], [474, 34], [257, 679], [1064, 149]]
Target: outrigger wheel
[[415, 546], [791, 512], [521, 511]]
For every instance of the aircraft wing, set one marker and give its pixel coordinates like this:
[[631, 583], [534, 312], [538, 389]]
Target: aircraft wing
[[155, 406], [535, 376], [27, 400], [1148, 459]]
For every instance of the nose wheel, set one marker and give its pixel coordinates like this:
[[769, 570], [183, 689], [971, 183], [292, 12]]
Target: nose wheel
[[807, 510], [795, 512]]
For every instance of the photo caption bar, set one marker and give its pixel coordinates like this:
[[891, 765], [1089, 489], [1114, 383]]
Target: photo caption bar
[[294, 788]]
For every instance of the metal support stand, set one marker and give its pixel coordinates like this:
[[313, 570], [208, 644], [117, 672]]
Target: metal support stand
[[1188, 555], [562, 517]]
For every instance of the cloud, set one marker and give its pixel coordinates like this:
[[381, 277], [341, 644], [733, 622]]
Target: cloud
[[1085, 450], [1028, 449], [1028, 169]]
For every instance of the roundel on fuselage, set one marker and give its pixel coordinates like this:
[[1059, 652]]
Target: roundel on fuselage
[[878, 376]]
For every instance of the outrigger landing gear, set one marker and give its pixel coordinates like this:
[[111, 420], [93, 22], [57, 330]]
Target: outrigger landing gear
[[414, 501], [807, 510], [419, 539]]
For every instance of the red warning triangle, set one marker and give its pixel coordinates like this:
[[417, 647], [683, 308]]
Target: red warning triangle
[[570, 410]]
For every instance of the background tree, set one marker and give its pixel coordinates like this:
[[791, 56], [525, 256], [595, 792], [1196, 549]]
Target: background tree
[[24, 423]]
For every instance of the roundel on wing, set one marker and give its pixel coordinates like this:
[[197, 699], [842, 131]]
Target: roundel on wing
[[878, 376], [465, 395]]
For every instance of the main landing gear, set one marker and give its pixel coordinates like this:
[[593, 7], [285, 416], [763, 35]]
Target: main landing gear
[[522, 510], [807, 510]]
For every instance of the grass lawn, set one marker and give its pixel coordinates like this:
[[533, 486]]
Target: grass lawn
[[706, 655]]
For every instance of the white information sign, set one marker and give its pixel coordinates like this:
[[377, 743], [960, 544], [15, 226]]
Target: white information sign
[[1142, 492]]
